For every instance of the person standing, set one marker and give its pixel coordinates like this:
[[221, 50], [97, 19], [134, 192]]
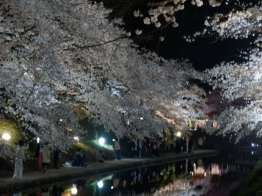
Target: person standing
[[190, 145], [132, 147], [178, 145], [46, 157], [20, 156], [117, 149], [154, 147], [56, 152], [167, 146], [200, 142], [39, 155], [135, 150], [150, 148], [204, 142], [140, 145], [158, 147]]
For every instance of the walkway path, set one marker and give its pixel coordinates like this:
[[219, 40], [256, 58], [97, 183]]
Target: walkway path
[[38, 179]]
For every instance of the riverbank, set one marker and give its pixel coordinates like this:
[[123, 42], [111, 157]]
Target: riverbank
[[253, 183], [38, 179]]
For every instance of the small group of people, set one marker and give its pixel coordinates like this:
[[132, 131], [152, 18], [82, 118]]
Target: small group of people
[[42, 152], [201, 142], [80, 159], [42, 155], [150, 148], [136, 147]]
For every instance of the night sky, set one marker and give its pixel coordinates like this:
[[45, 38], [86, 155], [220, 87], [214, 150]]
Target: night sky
[[203, 53]]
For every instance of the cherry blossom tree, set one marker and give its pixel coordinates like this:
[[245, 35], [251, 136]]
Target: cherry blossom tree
[[239, 82], [57, 55]]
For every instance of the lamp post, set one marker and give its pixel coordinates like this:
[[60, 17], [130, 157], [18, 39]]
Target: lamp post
[[101, 141], [100, 184], [6, 136]]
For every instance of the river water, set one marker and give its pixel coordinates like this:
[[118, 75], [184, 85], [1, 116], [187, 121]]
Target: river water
[[213, 176]]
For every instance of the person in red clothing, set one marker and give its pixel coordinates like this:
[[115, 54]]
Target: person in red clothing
[[39, 155]]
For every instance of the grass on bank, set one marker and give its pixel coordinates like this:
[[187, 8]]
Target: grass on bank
[[253, 183]]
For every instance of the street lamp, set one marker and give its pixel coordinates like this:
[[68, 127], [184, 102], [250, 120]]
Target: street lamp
[[101, 141], [100, 184], [6, 136]]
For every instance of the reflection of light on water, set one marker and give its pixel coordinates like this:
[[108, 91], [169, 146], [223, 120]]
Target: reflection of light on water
[[184, 187], [200, 170], [74, 189]]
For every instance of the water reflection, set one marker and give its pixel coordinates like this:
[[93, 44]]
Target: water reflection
[[183, 178]]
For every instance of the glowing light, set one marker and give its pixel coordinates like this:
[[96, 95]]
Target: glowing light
[[37, 140], [206, 119], [6, 136], [141, 118], [205, 174], [252, 152], [101, 141], [61, 120], [74, 189], [252, 144], [178, 134], [100, 184], [112, 187]]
